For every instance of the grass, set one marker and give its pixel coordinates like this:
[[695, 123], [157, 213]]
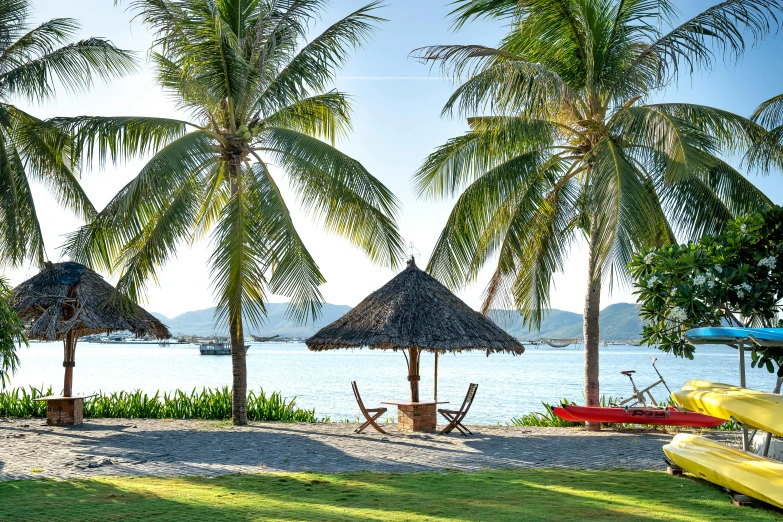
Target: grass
[[530, 495], [208, 404]]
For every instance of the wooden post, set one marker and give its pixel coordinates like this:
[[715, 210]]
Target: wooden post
[[69, 311], [413, 373], [68, 362], [435, 395]]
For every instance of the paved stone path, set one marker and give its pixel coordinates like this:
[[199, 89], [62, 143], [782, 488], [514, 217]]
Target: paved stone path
[[29, 448]]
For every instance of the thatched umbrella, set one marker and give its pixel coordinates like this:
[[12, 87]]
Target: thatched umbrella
[[414, 312], [66, 301]]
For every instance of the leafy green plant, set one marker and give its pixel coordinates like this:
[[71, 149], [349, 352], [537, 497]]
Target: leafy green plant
[[208, 404], [734, 278], [20, 402], [11, 335]]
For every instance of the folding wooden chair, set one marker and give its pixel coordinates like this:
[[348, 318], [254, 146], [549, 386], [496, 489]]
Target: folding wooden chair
[[455, 417], [370, 414]]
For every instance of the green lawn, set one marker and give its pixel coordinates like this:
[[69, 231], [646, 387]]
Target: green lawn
[[550, 494]]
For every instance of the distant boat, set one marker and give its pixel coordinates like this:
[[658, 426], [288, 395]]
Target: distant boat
[[260, 339], [217, 348], [560, 343]]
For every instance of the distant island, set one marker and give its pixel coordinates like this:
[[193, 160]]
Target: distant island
[[618, 322]]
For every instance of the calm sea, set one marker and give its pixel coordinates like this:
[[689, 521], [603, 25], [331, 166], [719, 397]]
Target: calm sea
[[508, 385]]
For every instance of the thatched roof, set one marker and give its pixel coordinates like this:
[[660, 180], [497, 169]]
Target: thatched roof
[[414, 310], [69, 296]]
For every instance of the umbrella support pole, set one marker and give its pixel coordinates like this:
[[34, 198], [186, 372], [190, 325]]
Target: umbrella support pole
[[435, 394], [413, 373], [69, 363]]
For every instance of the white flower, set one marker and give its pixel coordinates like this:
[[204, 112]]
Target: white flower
[[741, 289], [718, 269], [649, 258], [653, 280], [743, 228], [673, 292], [711, 283], [677, 314], [699, 280], [770, 262]]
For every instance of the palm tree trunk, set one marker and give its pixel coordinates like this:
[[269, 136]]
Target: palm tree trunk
[[239, 371], [591, 331], [238, 354]]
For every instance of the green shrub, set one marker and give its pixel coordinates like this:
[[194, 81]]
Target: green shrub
[[208, 404]]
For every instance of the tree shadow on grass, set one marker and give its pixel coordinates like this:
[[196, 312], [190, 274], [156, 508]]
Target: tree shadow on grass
[[503, 495]]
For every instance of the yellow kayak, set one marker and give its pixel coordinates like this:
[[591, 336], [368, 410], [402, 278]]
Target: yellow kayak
[[754, 408], [732, 468]]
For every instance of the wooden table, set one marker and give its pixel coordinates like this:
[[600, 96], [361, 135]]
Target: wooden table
[[64, 411], [416, 416]]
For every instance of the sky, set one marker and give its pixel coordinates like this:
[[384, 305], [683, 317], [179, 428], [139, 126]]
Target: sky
[[396, 123]]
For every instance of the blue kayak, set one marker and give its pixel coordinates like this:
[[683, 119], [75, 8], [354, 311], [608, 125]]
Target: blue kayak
[[733, 335]]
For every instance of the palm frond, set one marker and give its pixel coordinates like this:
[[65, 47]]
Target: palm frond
[[726, 29], [46, 153], [464, 158], [325, 116], [115, 138], [338, 189], [770, 113], [20, 232], [479, 221], [100, 243], [158, 240], [314, 67], [74, 66], [295, 274], [239, 260]]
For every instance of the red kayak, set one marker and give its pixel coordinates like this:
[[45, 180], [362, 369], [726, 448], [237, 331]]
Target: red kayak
[[560, 412], [619, 415]]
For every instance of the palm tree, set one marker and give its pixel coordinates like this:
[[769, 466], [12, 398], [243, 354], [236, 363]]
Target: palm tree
[[34, 61], [257, 97], [572, 150]]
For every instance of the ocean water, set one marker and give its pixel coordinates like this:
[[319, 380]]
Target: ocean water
[[508, 385]]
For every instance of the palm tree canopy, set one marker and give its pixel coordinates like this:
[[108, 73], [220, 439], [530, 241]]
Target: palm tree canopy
[[570, 141], [256, 94], [33, 61]]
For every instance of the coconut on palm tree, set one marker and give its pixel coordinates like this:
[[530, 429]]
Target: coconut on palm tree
[[571, 149], [34, 62], [258, 105]]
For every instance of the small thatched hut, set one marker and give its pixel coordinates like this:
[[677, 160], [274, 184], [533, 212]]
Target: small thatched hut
[[66, 301], [414, 312]]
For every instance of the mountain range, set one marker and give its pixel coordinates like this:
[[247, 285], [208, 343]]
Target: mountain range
[[617, 322]]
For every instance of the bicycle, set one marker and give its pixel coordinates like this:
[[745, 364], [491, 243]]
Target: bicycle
[[639, 394]]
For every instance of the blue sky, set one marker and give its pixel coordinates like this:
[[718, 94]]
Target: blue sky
[[397, 103]]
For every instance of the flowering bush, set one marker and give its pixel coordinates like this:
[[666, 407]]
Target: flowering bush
[[734, 278]]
